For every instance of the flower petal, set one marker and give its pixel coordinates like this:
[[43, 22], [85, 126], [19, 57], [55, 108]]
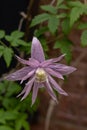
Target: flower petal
[[50, 61], [54, 73], [28, 76], [18, 75], [63, 69], [27, 89], [22, 60], [35, 91], [32, 62], [56, 86], [37, 50], [49, 90]]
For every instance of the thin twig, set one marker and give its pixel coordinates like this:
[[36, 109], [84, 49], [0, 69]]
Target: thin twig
[[24, 16], [49, 113], [85, 1], [52, 2]]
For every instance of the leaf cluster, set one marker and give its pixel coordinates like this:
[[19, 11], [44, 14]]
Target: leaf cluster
[[13, 113], [64, 16], [14, 41]]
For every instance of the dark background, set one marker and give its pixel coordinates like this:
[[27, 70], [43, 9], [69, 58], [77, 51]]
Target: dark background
[[10, 13]]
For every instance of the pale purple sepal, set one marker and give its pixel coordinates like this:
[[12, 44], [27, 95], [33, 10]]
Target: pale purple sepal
[[50, 90], [53, 60], [30, 74], [54, 73], [18, 75], [56, 86], [32, 62], [27, 88], [63, 69], [35, 91], [37, 50]]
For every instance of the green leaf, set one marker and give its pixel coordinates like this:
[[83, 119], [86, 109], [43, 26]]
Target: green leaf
[[65, 26], [39, 19], [7, 54], [13, 88], [49, 8], [62, 15], [84, 38], [2, 34], [44, 43], [1, 50], [65, 47], [59, 2], [14, 43], [2, 119], [82, 26], [53, 24], [22, 42], [17, 34], [75, 4], [9, 38], [76, 12], [22, 123], [5, 127], [41, 31], [62, 6], [10, 115]]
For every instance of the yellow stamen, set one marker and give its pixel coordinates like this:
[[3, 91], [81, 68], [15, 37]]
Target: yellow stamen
[[40, 75]]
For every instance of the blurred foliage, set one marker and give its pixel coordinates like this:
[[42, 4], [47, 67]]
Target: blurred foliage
[[11, 42], [14, 114]]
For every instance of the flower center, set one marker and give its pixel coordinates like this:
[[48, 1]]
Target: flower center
[[40, 75]]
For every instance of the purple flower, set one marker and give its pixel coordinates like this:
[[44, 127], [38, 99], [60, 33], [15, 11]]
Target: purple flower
[[40, 72]]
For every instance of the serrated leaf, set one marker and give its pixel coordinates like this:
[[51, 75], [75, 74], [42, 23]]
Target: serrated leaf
[[65, 47], [65, 26], [82, 26], [44, 44], [62, 6], [13, 90], [59, 2], [49, 8], [21, 42], [62, 15], [76, 12], [10, 115], [39, 19], [41, 31], [53, 24], [84, 38], [20, 123], [17, 34], [2, 119], [75, 4], [7, 54], [8, 38], [5, 127], [14, 43], [2, 34]]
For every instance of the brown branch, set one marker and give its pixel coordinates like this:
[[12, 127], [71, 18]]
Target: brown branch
[[52, 2], [85, 1]]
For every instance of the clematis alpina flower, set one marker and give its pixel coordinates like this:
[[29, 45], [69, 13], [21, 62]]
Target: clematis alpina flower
[[40, 72]]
